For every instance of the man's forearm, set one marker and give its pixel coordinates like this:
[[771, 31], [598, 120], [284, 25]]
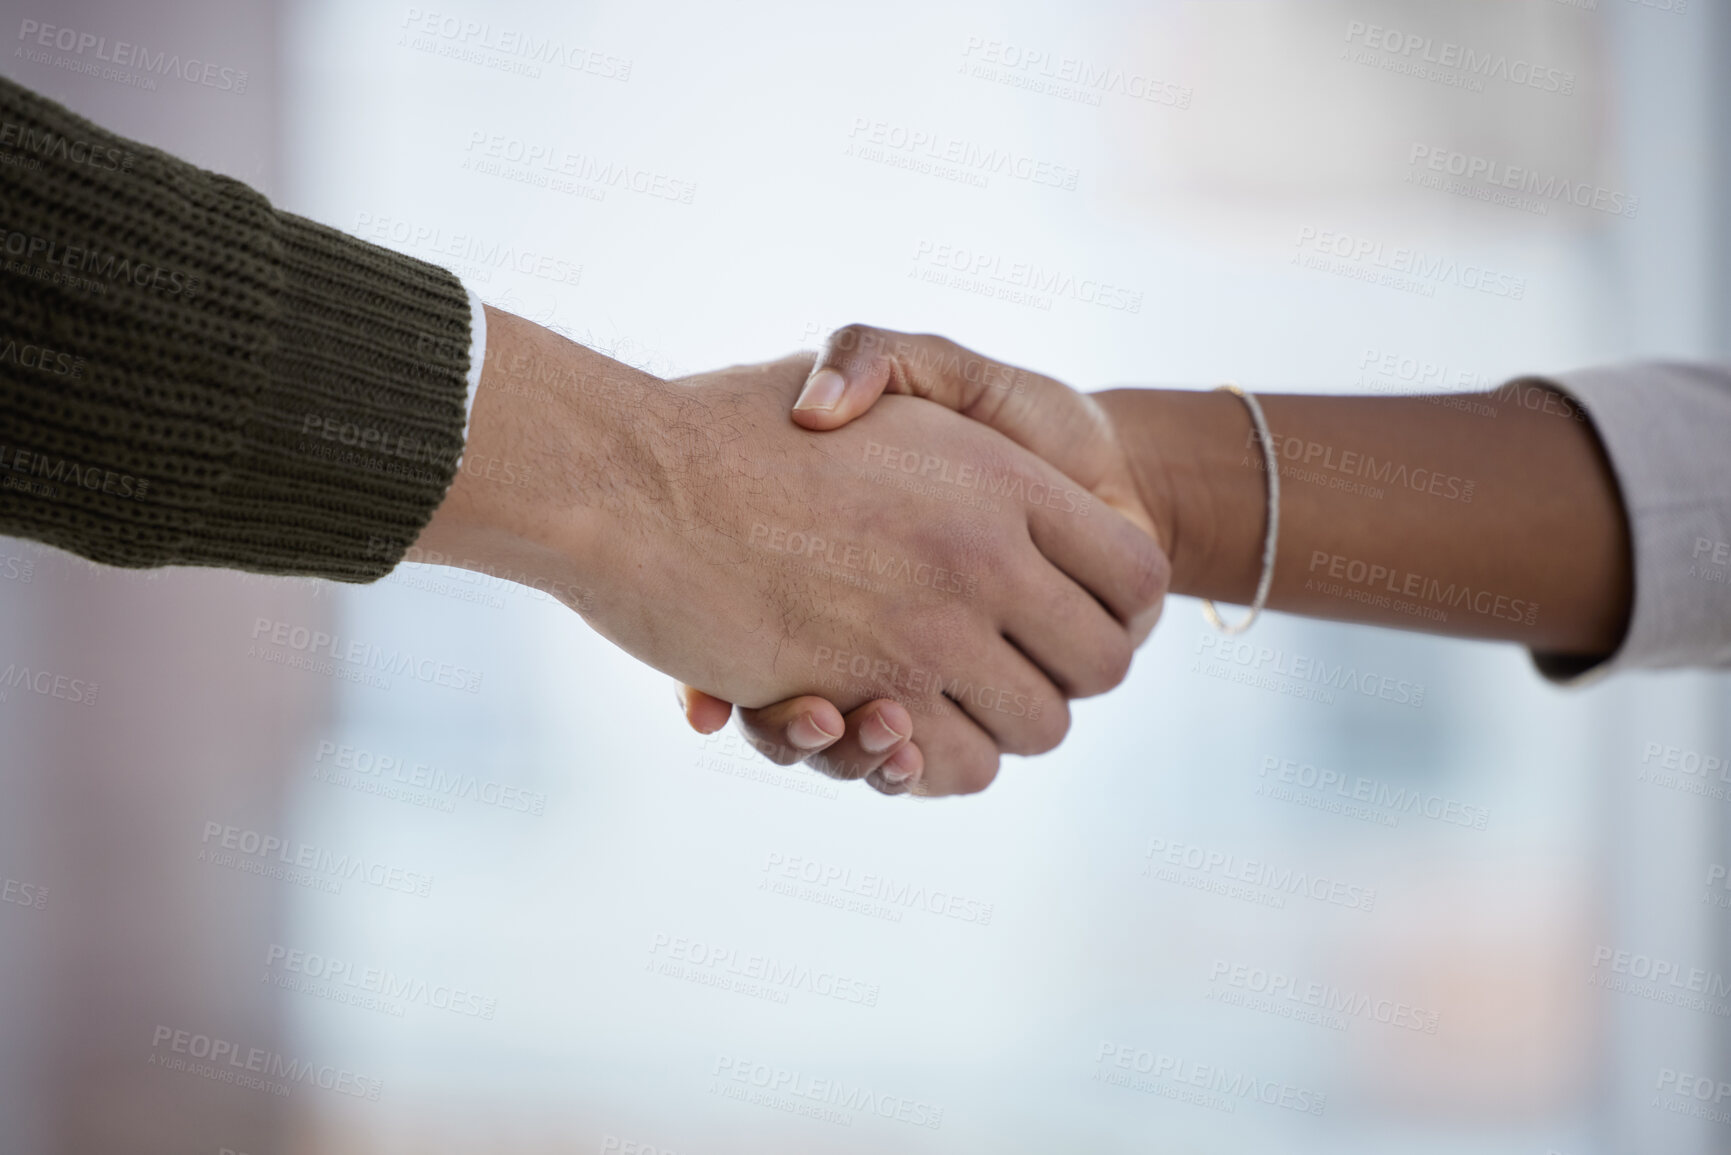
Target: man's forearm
[[1394, 511], [551, 440]]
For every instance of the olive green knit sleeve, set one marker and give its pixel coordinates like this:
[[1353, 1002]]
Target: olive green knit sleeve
[[190, 377]]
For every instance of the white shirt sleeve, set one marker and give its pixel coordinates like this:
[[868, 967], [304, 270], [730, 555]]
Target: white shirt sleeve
[[477, 353], [1666, 428]]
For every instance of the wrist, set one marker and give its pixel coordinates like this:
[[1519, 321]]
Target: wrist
[[556, 455], [1198, 468]]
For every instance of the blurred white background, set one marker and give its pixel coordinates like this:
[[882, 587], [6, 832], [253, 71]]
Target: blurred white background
[[633, 914]]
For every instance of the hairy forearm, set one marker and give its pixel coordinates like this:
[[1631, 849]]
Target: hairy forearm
[[553, 440], [1394, 511]]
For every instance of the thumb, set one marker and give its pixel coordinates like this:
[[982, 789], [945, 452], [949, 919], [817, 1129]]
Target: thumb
[[705, 713], [860, 363], [848, 377]]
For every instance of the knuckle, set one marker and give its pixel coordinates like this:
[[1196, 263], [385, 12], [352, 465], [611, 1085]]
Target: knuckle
[[1051, 726], [1150, 575], [855, 338], [1043, 731], [976, 772], [1118, 658], [1109, 668], [942, 628]]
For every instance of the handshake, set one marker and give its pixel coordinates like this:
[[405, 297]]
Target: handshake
[[998, 569], [899, 590], [904, 588]]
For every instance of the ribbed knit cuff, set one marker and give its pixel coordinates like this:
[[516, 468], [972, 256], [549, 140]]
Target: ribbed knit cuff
[[355, 434], [189, 376]]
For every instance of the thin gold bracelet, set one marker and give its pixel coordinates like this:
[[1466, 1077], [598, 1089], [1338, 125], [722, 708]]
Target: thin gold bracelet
[[1270, 464]]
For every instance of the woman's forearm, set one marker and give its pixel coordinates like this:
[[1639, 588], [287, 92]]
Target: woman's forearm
[[1394, 511]]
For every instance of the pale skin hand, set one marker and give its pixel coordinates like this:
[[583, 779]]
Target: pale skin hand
[[666, 513], [1537, 552]]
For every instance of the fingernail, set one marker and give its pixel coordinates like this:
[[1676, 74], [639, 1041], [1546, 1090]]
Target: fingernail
[[822, 390], [805, 733], [896, 771], [876, 735]]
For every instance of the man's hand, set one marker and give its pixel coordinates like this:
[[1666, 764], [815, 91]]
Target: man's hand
[[1070, 430], [914, 555]]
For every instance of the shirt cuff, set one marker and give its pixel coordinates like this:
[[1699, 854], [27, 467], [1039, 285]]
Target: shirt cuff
[[1663, 429], [477, 353]]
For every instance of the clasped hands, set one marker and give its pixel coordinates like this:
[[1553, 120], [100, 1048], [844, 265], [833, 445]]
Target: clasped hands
[[898, 588]]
